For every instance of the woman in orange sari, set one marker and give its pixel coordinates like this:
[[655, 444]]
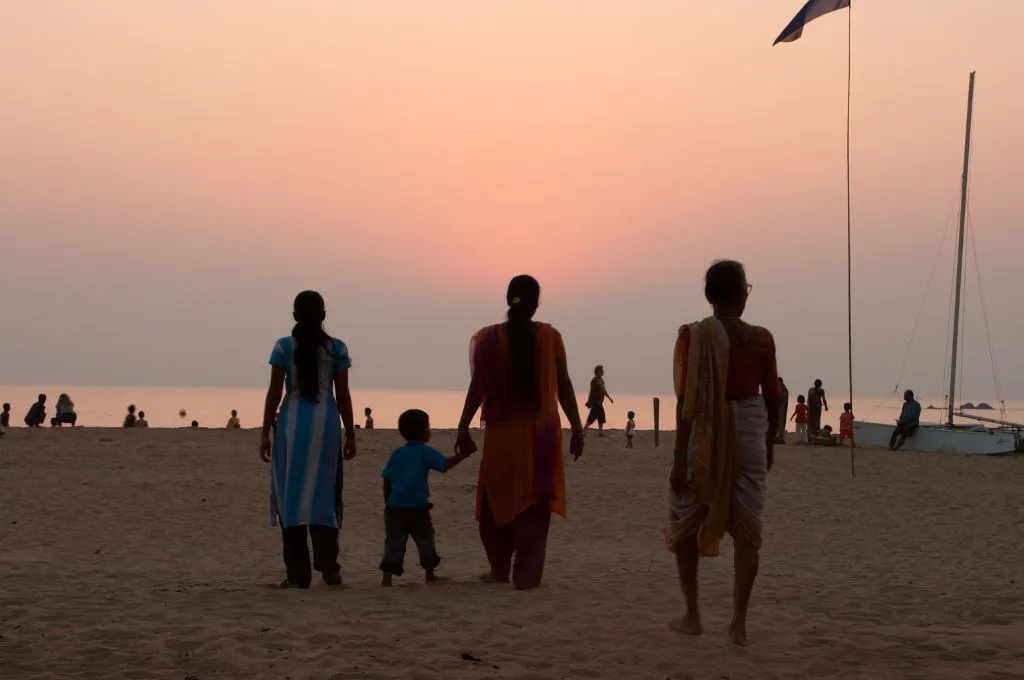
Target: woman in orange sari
[[519, 378], [725, 432]]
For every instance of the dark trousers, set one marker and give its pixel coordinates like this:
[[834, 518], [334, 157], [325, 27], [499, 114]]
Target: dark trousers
[[900, 434], [525, 538], [296, 552], [400, 524]]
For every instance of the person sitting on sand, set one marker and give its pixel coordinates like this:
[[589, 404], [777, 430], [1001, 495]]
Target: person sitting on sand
[[141, 420], [130, 418], [630, 429], [233, 422], [519, 378], [800, 416], [825, 437], [407, 496], [65, 412], [36, 415], [369, 418], [5, 416], [195, 425], [595, 402], [725, 435], [306, 471], [908, 422]]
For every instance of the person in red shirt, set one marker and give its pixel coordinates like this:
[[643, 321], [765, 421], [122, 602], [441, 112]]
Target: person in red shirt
[[800, 416], [846, 422]]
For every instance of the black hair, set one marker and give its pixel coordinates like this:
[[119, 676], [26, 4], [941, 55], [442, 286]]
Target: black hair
[[131, 408], [725, 282], [413, 425], [847, 406], [7, 407], [800, 399], [142, 414], [631, 415], [909, 393], [309, 336], [195, 423], [234, 413], [598, 369], [42, 397], [523, 298], [367, 410], [817, 382]]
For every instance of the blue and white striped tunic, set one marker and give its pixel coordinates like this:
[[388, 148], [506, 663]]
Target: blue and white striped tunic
[[306, 473]]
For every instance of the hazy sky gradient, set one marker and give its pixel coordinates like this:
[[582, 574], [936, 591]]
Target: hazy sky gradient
[[173, 173]]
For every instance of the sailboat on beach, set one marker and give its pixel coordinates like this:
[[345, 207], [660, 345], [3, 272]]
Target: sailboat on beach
[[985, 435]]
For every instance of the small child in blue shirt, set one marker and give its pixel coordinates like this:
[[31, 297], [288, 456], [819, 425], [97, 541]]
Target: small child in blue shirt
[[407, 496]]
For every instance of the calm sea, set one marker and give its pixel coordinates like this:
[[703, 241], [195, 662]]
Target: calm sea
[[105, 406]]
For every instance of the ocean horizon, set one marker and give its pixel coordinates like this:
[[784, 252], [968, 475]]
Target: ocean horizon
[[105, 406]]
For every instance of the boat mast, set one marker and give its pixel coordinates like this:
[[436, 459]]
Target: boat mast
[[960, 252]]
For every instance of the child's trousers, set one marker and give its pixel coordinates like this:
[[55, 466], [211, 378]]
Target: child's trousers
[[399, 525]]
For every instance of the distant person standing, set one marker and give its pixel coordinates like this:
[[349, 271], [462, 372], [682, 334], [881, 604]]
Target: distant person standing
[[800, 416], [630, 429], [129, 418], [595, 401], [815, 402], [36, 415], [368, 412], [783, 411], [233, 422], [5, 417], [846, 423]]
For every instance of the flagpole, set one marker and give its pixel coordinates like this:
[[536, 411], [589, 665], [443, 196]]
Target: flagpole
[[849, 223]]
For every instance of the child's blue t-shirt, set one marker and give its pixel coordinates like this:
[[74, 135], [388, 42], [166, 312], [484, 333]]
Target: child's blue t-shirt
[[407, 470]]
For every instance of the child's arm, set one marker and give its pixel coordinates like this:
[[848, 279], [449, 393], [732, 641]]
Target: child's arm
[[387, 489], [452, 461], [793, 416]]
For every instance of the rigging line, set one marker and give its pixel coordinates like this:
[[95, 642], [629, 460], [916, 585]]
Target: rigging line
[[984, 308], [949, 331], [924, 298], [963, 341]]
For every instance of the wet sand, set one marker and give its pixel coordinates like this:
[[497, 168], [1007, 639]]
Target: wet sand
[[147, 554]]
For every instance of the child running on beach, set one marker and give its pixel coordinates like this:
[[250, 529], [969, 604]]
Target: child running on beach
[[630, 429], [407, 496], [846, 423], [800, 416]]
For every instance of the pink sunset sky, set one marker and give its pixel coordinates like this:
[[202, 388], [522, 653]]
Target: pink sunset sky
[[174, 172]]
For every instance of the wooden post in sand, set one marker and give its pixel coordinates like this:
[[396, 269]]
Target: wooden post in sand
[[657, 419]]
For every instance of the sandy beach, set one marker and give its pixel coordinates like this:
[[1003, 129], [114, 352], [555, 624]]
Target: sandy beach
[[147, 554]]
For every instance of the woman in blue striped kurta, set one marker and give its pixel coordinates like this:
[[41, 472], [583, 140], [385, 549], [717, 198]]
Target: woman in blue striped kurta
[[310, 368]]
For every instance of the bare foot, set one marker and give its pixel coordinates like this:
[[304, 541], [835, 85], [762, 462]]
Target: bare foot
[[386, 580], [688, 625], [738, 633]]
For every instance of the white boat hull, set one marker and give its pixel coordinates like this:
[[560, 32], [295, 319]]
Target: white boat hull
[[931, 438]]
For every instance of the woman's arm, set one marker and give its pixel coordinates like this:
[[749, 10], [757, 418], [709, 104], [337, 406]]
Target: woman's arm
[[567, 396], [274, 392], [470, 406], [344, 399]]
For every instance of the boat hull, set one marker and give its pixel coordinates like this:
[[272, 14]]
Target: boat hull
[[939, 439]]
